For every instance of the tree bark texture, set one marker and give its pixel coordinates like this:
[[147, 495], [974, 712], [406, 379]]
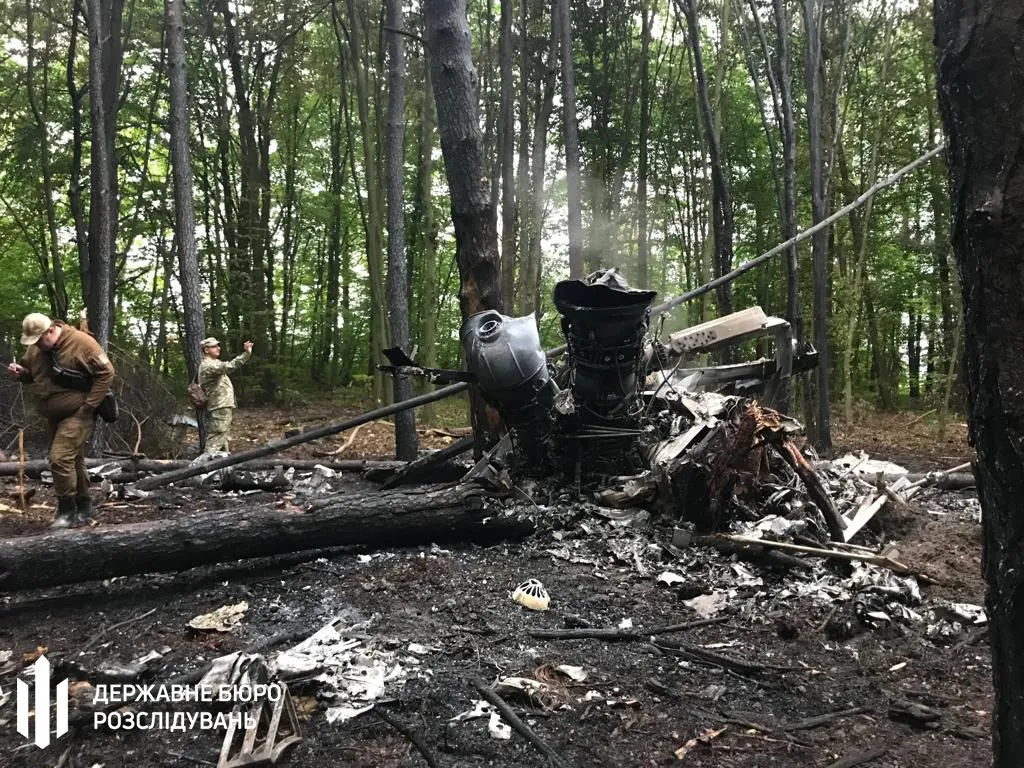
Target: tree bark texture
[[455, 93], [426, 237], [398, 277], [794, 313], [506, 148], [980, 76], [647, 16], [184, 214], [812, 14], [369, 140], [449, 56], [722, 219], [75, 95], [572, 142], [105, 54], [369, 519], [53, 276]]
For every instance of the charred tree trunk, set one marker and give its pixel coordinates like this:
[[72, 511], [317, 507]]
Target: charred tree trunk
[[371, 519], [794, 314], [476, 237], [531, 209], [983, 114]]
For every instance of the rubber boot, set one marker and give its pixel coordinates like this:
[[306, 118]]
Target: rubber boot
[[67, 511], [83, 511]]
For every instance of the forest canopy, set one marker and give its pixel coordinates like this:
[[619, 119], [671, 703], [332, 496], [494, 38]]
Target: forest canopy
[[696, 152]]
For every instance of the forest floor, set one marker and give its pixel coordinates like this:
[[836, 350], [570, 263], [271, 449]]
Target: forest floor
[[790, 646]]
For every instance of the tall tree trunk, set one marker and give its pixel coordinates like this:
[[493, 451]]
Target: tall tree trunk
[[476, 238], [647, 14], [859, 261], [572, 143], [722, 221], [329, 319], [53, 267], [398, 290], [885, 371], [506, 148], [527, 78], [531, 210], [914, 329], [76, 95], [812, 15], [184, 215], [789, 221], [374, 199], [940, 250], [104, 78], [983, 114], [290, 237], [426, 236]]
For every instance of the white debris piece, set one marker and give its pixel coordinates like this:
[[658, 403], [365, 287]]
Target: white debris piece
[[353, 676], [498, 728], [224, 619], [577, 674], [668, 578], [706, 606], [480, 708]]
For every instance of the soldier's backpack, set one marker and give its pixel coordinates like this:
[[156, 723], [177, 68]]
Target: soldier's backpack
[[196, 395]]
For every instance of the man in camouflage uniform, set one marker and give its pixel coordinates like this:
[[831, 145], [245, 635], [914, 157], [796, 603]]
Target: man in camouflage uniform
[[220, 393], [69, 413]]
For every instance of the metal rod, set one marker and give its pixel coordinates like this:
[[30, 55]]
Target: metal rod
[[782, 247], [276, 446]]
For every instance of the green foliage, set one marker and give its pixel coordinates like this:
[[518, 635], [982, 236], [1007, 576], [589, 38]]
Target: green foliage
[[299, 85]]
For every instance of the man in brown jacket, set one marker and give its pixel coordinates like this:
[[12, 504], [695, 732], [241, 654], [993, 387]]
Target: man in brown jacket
[[69, 412]]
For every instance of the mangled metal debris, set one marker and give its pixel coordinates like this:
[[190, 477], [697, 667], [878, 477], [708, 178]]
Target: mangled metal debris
[[622, 419]]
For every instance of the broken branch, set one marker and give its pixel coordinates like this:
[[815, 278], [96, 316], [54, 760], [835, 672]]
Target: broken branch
[[726, 662], [411, 735], [613, 634], [815, 722], [788, 450], [859, 759], [885, 562], [513, 720]]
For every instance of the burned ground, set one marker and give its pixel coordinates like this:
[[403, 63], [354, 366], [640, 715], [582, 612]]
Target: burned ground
[[785, 646]]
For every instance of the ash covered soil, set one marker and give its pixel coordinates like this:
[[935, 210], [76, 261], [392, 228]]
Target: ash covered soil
[[785, 647]]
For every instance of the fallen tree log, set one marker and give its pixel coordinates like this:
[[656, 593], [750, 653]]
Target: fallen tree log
[[36, 467], [369, 519]]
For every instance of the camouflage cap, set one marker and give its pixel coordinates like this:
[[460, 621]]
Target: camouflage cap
[[34, 326], [209, 341]]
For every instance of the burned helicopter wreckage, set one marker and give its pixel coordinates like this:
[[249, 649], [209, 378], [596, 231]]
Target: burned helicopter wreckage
[[627, 418]]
